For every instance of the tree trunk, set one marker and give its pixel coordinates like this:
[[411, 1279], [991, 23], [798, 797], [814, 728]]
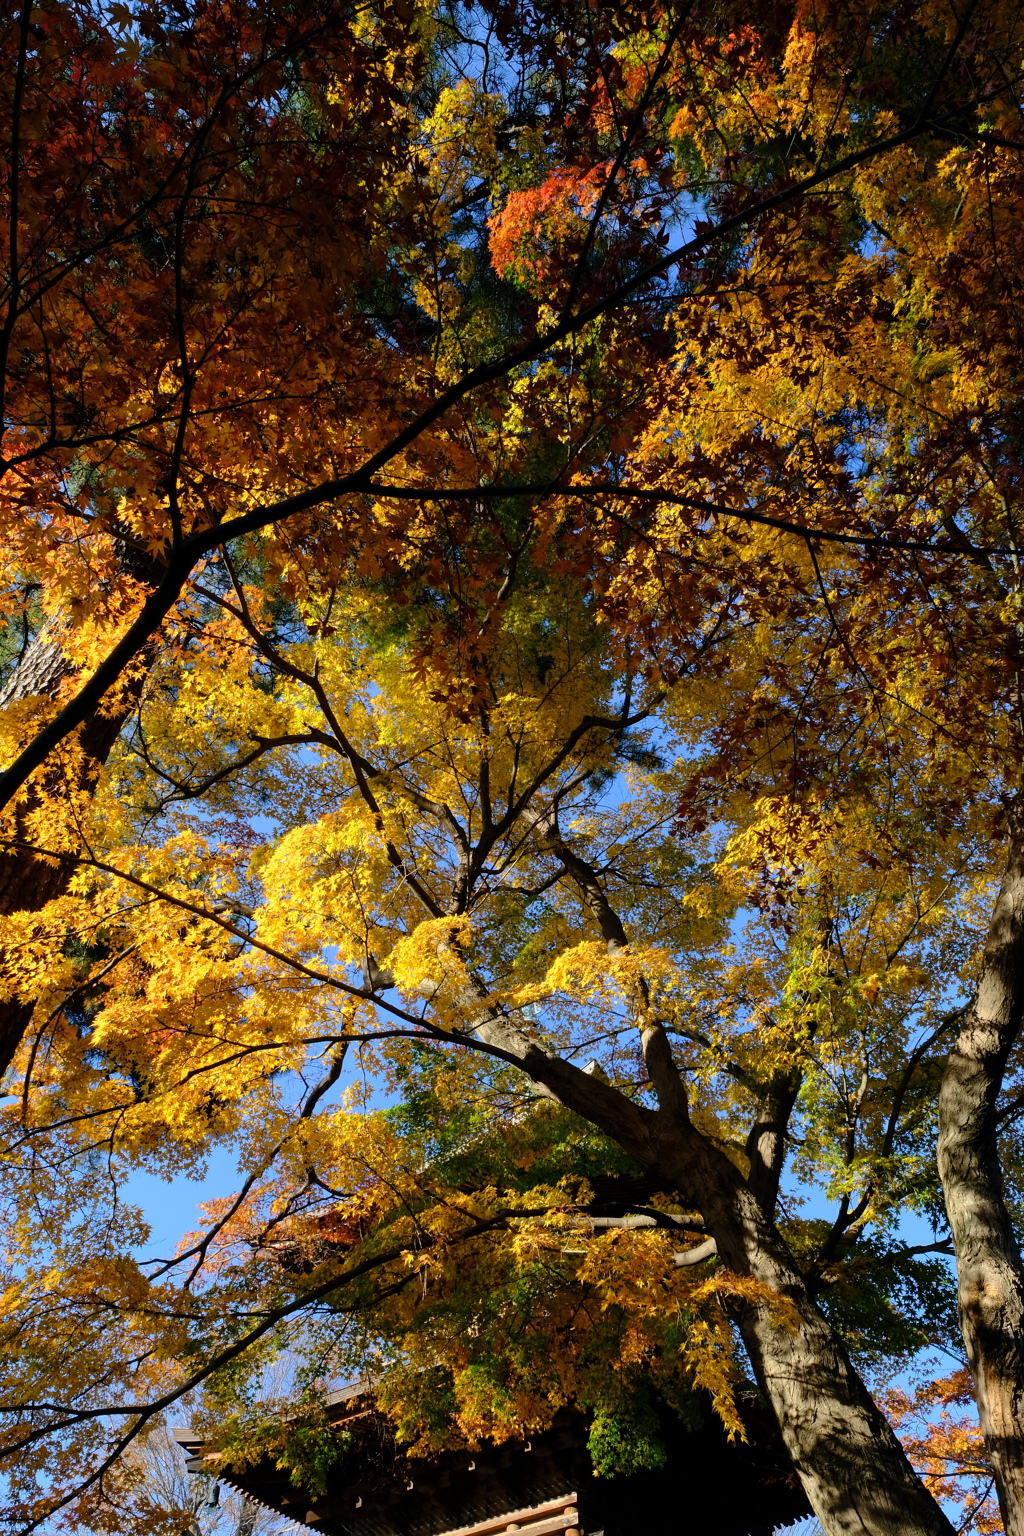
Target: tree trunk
[[990, 1276], [852, 1467], [27, 883], [246, 1518]]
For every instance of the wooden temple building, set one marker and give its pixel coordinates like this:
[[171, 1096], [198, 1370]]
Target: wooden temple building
[[536, 1487], [539, 1486]]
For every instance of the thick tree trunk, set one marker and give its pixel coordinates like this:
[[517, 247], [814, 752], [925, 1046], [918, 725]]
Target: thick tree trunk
[[27, 883], [852, 1466], [990, 1275]]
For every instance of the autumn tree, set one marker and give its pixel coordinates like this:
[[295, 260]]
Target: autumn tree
[[155, 1487], [196, 204], [748, 490], [466, 866]]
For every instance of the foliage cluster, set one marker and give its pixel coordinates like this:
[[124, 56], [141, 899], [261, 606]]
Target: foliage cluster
[[513, 682]]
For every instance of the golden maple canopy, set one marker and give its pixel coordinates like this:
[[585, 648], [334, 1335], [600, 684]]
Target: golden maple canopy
[[603, 660]]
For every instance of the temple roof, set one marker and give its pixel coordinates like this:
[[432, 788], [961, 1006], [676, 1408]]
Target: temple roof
[[538, 1486]]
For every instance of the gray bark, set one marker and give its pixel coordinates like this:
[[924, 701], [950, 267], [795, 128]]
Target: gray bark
[[852, 1466], [990, 1275], [766, 1143]]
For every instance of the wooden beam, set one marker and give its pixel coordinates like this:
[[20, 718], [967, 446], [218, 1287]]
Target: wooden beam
[[557, 1515]]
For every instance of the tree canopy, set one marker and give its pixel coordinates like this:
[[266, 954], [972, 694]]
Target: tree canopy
[[512, 695]]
